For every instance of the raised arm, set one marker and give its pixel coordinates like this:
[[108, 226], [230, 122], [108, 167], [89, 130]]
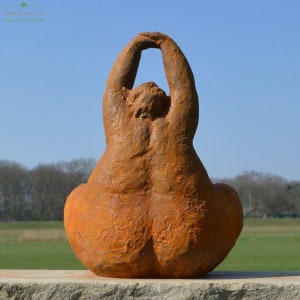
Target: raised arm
[[123, 74], [184, 108]]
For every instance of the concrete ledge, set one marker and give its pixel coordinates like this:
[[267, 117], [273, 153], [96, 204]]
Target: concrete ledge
[[46, 284]]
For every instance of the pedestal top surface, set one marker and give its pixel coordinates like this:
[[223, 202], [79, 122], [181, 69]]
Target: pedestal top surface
[[84, 276]]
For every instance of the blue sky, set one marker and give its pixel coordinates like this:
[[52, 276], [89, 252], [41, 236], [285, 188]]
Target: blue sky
[[245, 56]]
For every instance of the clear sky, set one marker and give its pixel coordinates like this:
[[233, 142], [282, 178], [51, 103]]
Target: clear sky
[[245, 56]]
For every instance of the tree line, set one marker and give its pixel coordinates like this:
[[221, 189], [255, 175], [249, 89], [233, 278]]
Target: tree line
[[267, 195], [39, 194]]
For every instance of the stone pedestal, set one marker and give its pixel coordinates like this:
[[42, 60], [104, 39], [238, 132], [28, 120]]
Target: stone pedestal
[[53, 284]]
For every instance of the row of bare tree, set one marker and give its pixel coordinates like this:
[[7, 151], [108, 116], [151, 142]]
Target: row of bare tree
[[40, 193], [266, 195]]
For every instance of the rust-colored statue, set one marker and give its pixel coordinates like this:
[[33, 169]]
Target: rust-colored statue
[[149, 208]]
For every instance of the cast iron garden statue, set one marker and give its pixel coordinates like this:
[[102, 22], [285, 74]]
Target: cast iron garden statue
[[149, 208]]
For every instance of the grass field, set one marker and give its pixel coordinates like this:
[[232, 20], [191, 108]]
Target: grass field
[[271, 244]]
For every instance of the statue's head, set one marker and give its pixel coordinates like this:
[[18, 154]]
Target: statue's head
[[147, 101]]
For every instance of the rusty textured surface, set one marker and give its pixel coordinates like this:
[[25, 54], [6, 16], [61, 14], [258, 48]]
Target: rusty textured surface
[[149, 208]]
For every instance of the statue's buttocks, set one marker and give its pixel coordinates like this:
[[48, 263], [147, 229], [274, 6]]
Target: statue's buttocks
[[149, 208]]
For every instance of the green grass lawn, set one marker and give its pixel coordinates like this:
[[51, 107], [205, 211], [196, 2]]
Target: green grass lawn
[[38, 255], [35, 245], [272, 244], [264, 251]]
